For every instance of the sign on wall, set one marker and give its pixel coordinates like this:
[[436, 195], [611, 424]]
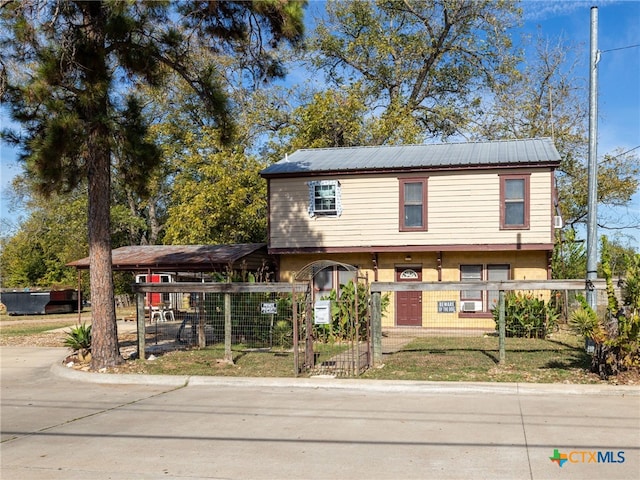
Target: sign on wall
[[447, 306]]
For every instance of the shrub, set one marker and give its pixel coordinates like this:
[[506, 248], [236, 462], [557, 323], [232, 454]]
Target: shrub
[[584, 321], [527, 316], [617, 343], [79, 340], [283, 334], [342, 326]]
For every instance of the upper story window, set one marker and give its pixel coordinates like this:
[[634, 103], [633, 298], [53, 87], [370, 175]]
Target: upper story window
[[514, 201], [324, 198], [413, 204]]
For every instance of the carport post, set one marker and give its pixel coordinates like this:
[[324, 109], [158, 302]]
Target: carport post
[[376, 328], [501, 326], [140, 321]]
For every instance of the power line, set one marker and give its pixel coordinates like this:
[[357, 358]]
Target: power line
[[620, 48], [628, 151]]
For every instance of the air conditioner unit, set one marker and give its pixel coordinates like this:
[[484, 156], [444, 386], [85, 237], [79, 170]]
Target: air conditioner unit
[[557, 221], [471, 306]]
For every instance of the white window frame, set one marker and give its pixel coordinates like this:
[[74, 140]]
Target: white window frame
[[313, 212]]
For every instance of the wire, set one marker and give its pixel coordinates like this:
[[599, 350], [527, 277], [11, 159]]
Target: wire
[[621, 48], [628, 151]]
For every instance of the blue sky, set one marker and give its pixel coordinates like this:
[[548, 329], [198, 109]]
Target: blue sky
[[618, 81]]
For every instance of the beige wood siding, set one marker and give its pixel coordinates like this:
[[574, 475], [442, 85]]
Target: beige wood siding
[[463, 209]]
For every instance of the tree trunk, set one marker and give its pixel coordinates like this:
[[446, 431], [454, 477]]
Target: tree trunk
[[104, 345], [104, 335]]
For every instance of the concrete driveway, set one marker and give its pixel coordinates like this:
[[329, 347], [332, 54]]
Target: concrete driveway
[[62, 424]]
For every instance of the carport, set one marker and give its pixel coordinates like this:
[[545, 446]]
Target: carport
[[190, 262], [251, 257]]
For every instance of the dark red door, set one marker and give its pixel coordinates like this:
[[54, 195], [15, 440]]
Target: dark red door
[[409, 304]]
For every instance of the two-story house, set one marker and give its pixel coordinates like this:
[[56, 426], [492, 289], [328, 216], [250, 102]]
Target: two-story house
[[442, 212]]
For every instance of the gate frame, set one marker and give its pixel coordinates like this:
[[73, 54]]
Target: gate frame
[[306, 275]]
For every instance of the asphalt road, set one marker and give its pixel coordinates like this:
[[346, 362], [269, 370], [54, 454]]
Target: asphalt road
[[61, 424]]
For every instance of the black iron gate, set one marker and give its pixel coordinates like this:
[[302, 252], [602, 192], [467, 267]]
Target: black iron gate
[[332, 329]]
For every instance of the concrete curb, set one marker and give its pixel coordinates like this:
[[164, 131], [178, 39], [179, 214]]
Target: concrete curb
[[380, 386], [115, 379]]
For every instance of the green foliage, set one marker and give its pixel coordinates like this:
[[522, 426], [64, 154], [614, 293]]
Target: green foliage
[[418, 66], [527, 316], [569, 258], [218, 197], [54, 234], [617, 343], [283, 334], [583, 321], [79, 338], [343, 314]]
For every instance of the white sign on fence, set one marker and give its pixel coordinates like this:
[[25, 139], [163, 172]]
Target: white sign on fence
[[322, 312], [268, 308]]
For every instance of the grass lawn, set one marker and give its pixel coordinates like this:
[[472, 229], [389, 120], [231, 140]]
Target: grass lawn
[[561, 358], [247, 362]]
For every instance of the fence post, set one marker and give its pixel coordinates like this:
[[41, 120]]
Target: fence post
[[501, 326], [202, 338], [228, 357], [376, 328], [140, 324]]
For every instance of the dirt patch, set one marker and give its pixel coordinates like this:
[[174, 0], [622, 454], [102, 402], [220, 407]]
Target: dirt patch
[[47, 339]]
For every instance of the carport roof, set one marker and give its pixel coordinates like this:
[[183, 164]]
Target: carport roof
[[201, 258]]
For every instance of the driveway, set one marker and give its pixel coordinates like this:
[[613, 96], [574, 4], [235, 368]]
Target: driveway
[[63, 424]]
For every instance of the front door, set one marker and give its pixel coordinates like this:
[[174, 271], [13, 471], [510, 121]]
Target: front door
[[409, 304]]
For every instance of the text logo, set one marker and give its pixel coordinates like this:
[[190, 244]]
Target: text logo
[[586, 456]]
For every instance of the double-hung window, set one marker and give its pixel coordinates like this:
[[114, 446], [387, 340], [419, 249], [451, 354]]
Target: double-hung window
[[514, 202], [483, 301], [413, 204], [324, 198]]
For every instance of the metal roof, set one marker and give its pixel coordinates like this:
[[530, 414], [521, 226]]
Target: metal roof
[[508, 153], [203, 258]]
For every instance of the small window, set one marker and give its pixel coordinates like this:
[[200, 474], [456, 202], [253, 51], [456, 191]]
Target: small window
[[514, 201], [413, 204], [324, 198]]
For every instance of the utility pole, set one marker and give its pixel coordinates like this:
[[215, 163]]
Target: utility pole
[[592, 202]]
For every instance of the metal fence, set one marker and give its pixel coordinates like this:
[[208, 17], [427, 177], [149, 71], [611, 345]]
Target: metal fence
[[276, 316], [462, 310], [178, 315]]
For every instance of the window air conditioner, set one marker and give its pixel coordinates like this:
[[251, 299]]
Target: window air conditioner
[[557, 221], [471, 306]]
